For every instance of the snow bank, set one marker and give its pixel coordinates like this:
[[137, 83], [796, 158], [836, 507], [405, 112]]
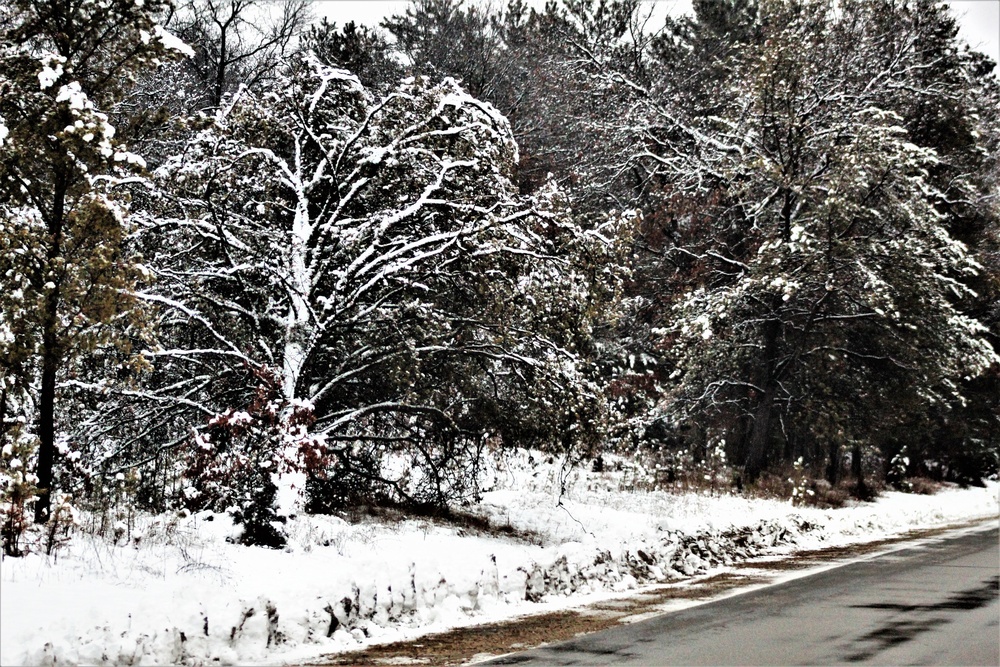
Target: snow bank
[[175, 592]]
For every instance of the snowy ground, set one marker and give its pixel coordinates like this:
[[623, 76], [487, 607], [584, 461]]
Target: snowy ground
[[178, 593]]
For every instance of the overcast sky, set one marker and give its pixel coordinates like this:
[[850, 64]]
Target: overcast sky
[[979, 19], [980, 24]]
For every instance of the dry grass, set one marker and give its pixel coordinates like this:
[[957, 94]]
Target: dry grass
[[923, 486], [466, 523]]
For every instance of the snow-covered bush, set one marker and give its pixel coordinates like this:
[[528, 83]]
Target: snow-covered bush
[[17, 489], [236, 460], [896, 475], [801, 492], [19, 534]]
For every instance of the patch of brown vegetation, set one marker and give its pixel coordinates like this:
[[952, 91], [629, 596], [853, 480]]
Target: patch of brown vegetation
[[923, 486], [465, 523], [458, 646], [826, 496]]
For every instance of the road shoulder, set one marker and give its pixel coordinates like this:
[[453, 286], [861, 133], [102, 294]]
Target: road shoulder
[[491, 640]]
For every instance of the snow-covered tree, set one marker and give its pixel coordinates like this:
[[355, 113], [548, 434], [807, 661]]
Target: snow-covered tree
[[950, 106], [370, 263], [824, 289], [364, 51], [458, 39], [66, 276]]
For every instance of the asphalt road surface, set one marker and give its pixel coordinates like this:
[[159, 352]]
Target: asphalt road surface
[[935, 603]]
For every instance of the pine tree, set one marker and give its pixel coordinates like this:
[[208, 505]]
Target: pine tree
[[824, 289], [66, 275], [363, 51]]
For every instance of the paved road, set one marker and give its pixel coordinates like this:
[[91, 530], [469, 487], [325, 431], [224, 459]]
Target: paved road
[[934, 603]]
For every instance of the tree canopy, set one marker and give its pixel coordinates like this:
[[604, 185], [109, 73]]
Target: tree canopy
[[293, 268]]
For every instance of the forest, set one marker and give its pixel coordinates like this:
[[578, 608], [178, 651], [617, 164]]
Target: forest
[[243, 250]]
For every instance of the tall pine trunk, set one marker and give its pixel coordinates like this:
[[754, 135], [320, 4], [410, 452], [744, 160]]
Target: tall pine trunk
[[760, 436], [758, 439], [857, 469], [833, 464], [46, 430], [51, 353]]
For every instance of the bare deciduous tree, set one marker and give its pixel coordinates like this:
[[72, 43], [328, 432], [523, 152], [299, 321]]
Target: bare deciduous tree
[[238, 42]]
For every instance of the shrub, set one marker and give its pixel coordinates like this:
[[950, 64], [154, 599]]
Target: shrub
[[237, 458], [18, 489]]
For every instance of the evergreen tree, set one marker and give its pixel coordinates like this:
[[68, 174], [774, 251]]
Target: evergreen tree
[[66, 274], [363, 51], [442, 38], [836, 293]]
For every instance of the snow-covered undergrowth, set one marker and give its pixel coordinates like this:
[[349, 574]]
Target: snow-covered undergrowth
[[175, 591]]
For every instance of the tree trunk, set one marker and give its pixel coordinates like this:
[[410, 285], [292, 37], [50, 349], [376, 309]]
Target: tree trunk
[[219, 85], [298, 325], [46, 416], [857, 469], [833, 465], [51, 354], [737, 440], [760, 436], [3, 409]]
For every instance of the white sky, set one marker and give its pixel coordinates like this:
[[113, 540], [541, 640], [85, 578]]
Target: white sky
[[979, 19]]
